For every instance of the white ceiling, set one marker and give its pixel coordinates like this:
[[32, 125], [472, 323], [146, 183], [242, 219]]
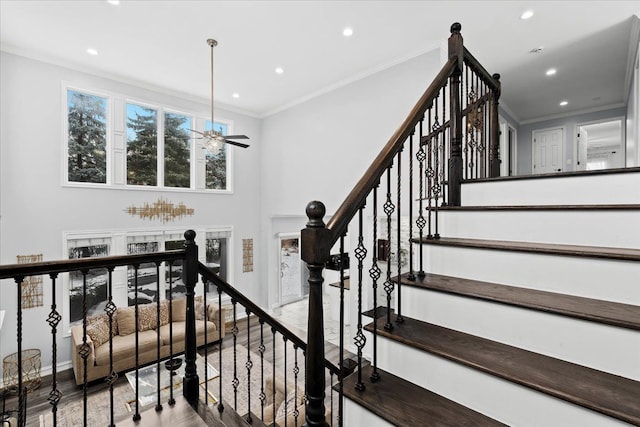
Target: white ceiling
[[163, 44]]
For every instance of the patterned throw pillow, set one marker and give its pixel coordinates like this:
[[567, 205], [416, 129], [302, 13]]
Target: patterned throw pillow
[[200, 310], [104, 318], [147, 317], [98, 332]]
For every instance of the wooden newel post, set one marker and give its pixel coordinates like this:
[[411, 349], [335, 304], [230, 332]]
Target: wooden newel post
[[315, 252], [190, 279], [456, 50], [494, 132]]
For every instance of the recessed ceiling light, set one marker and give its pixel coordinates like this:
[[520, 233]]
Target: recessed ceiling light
[[236, 95], [92, 51], [537, 49], [279, 70], [114, 2], [551, 71], [563, 103], [347, 32], [526, 15]]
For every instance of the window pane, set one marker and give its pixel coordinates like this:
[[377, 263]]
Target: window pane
[[96, 282], [87, 119], [177, 153], [216, 164], [147, 275], [173, 278], [142, 145]]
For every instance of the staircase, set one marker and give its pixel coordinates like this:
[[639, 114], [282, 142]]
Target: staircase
[[530, 314]]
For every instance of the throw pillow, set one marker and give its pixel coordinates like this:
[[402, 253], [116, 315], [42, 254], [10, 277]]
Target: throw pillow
[[126, 320], [104, 318], [200, 310], [98, 332], [164, 312], [147, 317]]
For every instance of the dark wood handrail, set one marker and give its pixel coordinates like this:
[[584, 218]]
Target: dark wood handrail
[[62, 266], [354, 201], [236, 295], [476, 66]]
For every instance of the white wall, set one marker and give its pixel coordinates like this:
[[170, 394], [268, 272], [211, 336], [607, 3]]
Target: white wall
[[36, 209], [318, 150], [633, 117]]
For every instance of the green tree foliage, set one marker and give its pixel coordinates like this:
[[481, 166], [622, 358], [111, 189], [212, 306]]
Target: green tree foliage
[[176, 151], [216, 170], [142, 146], [87, 161]]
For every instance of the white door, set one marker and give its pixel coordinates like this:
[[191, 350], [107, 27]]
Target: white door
[[548, 146], [583, 138]]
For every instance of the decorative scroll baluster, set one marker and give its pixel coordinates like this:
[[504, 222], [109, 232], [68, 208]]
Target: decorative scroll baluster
[[438, 132], [420, 222], [158, 400], [341, 325], [429, 176], [53, 320], [411, 276], [84, 349], [136, 415], [374, 272], [296, 371], [388, 284], [172, 400], [261, 349], [110, 309], [22, 394], [235, 382], [249, 365], [399, 317], [360, 340]]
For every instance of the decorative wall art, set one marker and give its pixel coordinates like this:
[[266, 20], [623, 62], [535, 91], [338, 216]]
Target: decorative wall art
[[161, 209], [31, 286], [247, 255]]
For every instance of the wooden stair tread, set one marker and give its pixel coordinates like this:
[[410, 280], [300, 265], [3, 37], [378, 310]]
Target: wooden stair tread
[[227, 418], [567, 174], [624, 254], [607, 312], [606, 393], [180, 414], [403, 403], [594, 207]]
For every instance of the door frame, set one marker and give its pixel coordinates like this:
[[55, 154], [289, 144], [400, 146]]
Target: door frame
[[533, 147], [623, 135]]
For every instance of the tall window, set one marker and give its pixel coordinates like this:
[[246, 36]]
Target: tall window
[[177, 153], [216, 164], [147, 273], [87, 137], [142, 145]]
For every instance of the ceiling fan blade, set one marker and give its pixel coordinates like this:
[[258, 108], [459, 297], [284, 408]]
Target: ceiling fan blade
[[239, 144], [197, 131], [236, 137]]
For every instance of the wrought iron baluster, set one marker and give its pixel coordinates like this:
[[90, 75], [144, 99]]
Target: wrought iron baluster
[[249, 365], [411, 276], [429, 178], [221, 325], [206, 342], [158, 401], [53, 320], [341, 339], [465, 106], [110, 309], [85, 349], [399, 318], [235, 381], [331, 399], [296, 371], [374, 272], [136, 415], [21, 393], [261, 349], [420, 222], [273, 383], [389, 208], [172, 400], [284, 369], [360, 340]]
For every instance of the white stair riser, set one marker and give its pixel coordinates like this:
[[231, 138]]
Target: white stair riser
[[603, 279], [502, 400], [355, 415], [606, 348], [597, 189], [607, 228]]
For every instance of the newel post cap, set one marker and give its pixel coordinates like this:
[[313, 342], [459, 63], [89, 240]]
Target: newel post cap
[[455, 28], [315, 212]]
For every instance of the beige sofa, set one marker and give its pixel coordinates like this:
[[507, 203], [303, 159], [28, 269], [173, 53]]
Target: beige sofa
[[124, 336]]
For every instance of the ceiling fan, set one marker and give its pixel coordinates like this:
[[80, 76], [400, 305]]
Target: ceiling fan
[[214, 139]]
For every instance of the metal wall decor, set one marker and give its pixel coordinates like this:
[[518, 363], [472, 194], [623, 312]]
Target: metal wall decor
[[32, 285], [161, 209]]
